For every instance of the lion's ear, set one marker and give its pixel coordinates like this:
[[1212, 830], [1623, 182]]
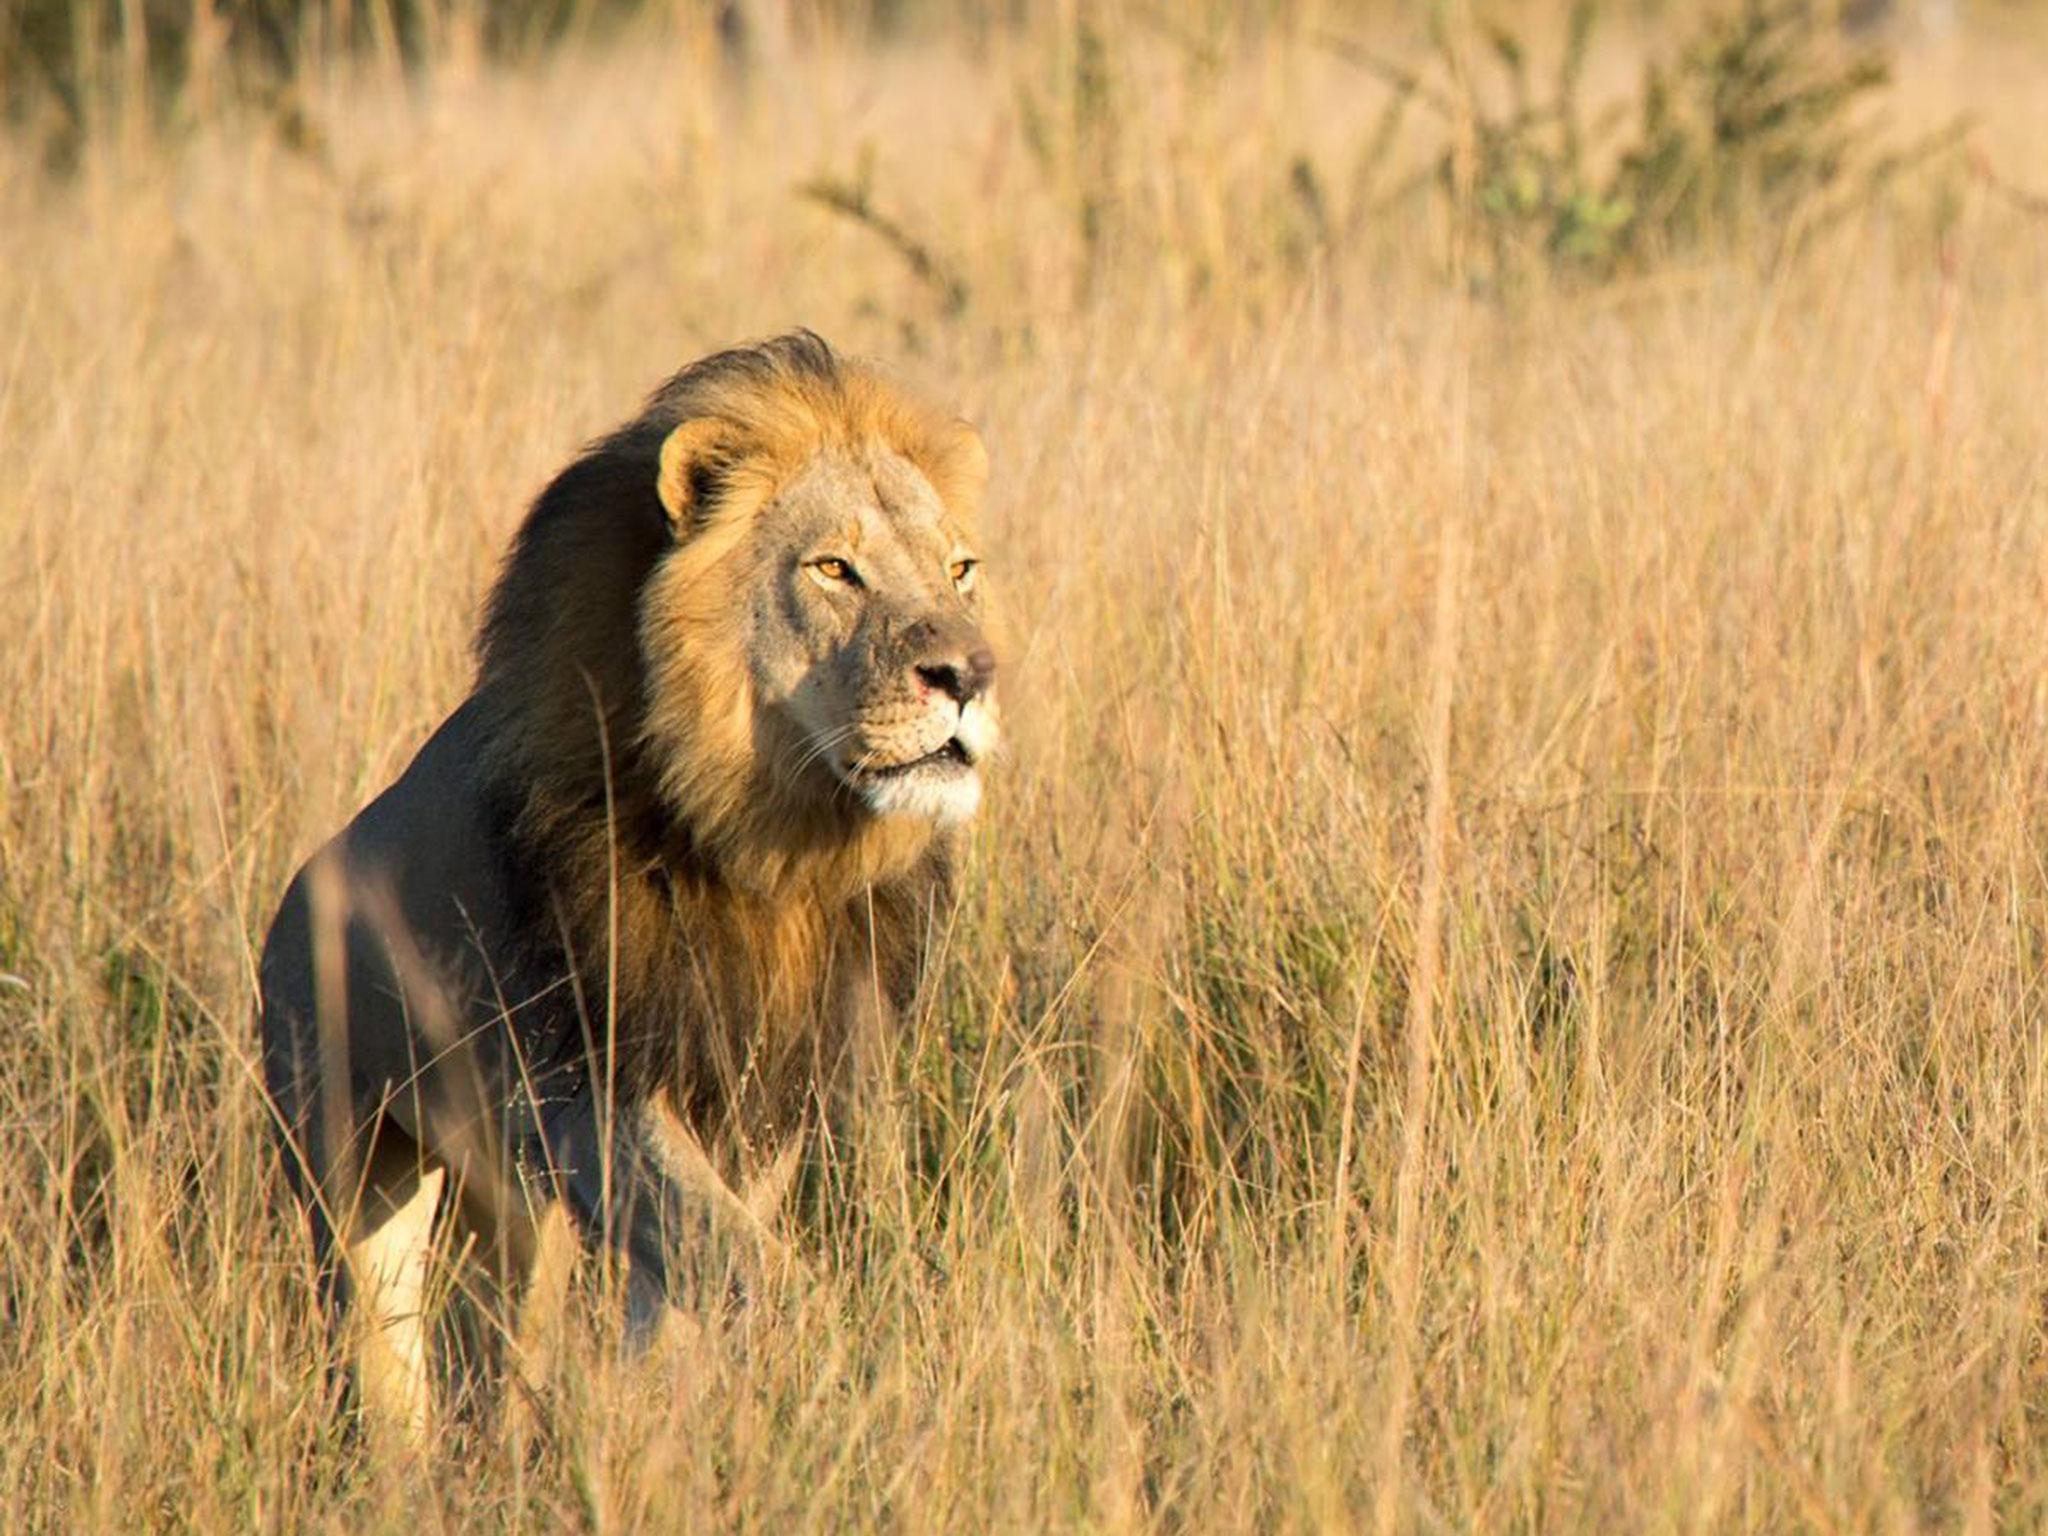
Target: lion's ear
[[688, 455], [963, 466]]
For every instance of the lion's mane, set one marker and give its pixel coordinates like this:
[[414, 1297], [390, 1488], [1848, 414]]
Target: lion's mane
[[649, 844]]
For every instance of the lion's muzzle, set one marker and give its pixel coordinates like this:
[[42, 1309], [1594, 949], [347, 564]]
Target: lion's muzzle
[[926, 724]]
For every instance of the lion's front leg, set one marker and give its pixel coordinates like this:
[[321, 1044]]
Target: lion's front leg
[[640, 1183]]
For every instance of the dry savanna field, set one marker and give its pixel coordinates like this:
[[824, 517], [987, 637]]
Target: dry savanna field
[[1500, 984]]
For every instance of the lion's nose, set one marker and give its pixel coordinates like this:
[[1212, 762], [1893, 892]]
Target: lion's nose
[[960, 678]]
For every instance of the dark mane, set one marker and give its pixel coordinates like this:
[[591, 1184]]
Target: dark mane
[[595, 852], [564, 608]]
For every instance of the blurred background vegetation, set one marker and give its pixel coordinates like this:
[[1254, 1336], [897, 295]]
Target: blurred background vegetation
[[1756, 114]]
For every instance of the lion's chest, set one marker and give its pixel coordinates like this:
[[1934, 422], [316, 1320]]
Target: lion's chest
[[765, 1009]]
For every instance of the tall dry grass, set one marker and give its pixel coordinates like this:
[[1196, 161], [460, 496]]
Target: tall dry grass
[[1500, 987]]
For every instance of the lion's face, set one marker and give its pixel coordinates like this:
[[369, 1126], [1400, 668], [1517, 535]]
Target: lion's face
[[816, 645], [870, 670]]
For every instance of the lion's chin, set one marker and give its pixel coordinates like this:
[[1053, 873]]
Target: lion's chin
[[942, 786], [944, 793]]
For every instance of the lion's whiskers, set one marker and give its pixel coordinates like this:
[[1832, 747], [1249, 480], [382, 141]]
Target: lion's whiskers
[[817, 748]]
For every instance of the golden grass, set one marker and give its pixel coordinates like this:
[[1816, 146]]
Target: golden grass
[[1501, 986]]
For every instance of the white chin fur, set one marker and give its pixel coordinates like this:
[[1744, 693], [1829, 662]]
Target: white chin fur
[[936, 795]]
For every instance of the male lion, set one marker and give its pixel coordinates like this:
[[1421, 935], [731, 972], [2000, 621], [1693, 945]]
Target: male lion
[[614, 935]]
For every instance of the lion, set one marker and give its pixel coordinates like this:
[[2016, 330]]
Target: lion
[[616, 936]]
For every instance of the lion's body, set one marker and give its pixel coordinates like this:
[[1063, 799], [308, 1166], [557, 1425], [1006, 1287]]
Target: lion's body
[[633, 909]]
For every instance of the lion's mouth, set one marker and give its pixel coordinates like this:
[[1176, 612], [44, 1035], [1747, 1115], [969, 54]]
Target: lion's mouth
[[953, 756]]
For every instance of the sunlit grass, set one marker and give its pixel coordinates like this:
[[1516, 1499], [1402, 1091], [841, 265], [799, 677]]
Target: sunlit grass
[[1655, 1135]]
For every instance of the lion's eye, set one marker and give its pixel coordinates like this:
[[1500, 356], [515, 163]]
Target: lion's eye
[[832, 568], [963, 572]]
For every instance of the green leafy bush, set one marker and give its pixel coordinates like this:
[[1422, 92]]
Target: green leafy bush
[[1759, 122]]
